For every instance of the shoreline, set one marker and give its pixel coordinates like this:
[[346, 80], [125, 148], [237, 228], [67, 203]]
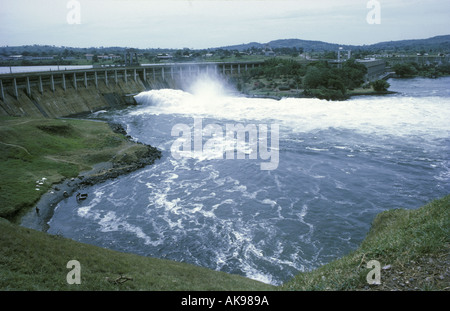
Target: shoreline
[[38, 217], [279, 97], [372, 93]]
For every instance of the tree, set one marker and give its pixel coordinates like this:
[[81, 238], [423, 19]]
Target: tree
[[405, 70], [380, 85], [352, 74], [314, 78]]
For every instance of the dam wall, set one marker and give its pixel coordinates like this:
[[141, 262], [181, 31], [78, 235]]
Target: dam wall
[[54, 94]]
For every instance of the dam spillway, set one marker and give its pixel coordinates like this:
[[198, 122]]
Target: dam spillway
[[63, 93]]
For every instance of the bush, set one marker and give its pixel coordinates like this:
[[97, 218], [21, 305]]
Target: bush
[[325, 93], [284, 88], [405, 70], [380, 85]]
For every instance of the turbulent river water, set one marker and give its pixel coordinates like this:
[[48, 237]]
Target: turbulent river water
[[335, 165]]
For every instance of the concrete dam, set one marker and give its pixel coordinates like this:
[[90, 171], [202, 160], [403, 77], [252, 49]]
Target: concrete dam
[[63, 93]]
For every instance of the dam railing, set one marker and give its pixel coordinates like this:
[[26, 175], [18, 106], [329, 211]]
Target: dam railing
[[14, 83]]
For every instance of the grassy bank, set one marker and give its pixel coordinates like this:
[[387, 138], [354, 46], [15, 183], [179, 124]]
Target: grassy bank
[[412, 247], [369, 92], [37, 153], [33, 260]]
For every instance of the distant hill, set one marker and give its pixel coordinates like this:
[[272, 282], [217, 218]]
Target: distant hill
[[307, 45], [436, 44], [441, 43]]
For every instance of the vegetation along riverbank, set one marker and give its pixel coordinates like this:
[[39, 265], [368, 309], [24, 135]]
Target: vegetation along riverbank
[[37, 154], [279, 77]]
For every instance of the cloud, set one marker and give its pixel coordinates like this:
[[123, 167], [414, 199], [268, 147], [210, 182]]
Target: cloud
[[207, 23]]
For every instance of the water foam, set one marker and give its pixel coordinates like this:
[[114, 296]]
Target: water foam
[[388, 115]]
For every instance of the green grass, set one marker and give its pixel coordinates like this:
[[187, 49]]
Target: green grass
[[369, 91], [397, 238], [33, 260], [31, 149]]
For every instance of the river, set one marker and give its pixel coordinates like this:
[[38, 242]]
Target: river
[[328, 169]]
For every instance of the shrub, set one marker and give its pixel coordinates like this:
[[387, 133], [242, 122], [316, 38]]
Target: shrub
[[380, 85], [405, 70]]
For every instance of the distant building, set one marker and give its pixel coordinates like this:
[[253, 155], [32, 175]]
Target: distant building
[[38, 58], [376, 68], [164, 56], [15, 57], [268, 51], [340, 50], [104, 57]]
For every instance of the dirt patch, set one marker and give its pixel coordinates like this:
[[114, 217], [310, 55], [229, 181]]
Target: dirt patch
[[422, 274], [65, 130]]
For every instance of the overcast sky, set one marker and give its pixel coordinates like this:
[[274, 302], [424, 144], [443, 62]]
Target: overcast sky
[[206, 23]]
